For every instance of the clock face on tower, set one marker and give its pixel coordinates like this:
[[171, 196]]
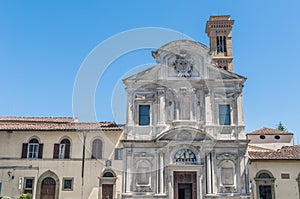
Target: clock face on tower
[[182, 66]]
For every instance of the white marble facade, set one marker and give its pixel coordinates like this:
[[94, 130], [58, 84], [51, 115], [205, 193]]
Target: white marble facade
[[179, 142]]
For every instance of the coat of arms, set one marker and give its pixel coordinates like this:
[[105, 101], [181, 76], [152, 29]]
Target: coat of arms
[[182, 66]]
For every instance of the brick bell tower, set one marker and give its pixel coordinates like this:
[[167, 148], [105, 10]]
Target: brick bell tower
[[219, 29]]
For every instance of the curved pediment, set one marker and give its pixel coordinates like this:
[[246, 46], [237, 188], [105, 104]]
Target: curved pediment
[[182, 48], [184, 134]]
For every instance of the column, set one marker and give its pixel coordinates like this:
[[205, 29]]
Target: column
[[208, 109], [130, 108], [208, 174], [129, 166], [161, 169], [240, 111], [214, 172], [161, 106]]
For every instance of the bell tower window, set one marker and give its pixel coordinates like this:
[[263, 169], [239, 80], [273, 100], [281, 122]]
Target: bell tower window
[[221, 44]]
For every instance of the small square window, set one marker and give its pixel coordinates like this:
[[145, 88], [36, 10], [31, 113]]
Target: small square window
[[285, 176], [68, 184], [28, 185]]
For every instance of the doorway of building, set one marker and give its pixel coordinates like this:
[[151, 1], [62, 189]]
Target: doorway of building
[[265, 192], [185, 191], [48, 188], [107, 191], [185, 185]]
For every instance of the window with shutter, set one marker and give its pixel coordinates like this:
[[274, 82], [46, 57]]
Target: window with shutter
[[24, 150], [40, 153], [56, 151], [64, 149], [97, 149], [33, 149], [118, 154]]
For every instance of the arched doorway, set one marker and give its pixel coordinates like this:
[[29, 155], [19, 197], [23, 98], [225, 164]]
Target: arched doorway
[[48, 188], [107, 182], [265, 185]]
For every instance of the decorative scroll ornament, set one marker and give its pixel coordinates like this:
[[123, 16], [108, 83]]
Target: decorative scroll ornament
[[182, 66], [227, 156]]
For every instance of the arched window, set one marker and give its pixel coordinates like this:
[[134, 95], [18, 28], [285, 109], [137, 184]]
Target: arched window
[[143, 176], [264, 175], [108, 174], [32, 149], [265, 185], [62, 150], [227, 173], [97, 149], [185, 156]]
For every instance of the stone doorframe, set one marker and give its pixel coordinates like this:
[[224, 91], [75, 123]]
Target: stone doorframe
[[270, 181], [185, 168], [47, 174], [107, 180]]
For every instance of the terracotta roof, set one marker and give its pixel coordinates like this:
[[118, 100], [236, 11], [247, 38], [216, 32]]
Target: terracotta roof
[[38, 119], [285, 153], [269, 131], [52, 124]]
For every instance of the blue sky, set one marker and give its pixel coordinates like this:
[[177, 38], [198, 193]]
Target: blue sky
[[43, 44]]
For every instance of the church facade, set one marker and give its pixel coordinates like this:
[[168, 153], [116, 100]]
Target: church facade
[[184, 134]]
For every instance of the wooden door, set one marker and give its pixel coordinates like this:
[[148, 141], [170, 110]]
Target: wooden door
[[48, 188], [107, 191], [185, 185]]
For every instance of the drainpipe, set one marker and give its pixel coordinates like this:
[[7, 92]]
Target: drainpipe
[[82, 163]]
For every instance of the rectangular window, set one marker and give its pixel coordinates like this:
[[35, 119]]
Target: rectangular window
[[33, 150], [28, 185], [224, 114], [144, 115], [118, 154], [0, 187], [68, 184]]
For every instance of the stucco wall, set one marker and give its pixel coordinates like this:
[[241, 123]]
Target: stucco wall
[[284, 188]]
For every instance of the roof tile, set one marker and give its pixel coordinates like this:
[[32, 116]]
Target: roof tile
[[269, 131], [52, 124], [285, 153]]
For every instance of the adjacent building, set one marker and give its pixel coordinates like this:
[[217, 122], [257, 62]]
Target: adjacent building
[[56, 158], [274, 166]]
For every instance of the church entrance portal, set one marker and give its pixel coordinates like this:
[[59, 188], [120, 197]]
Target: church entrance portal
[[185, 185], [107, 191]]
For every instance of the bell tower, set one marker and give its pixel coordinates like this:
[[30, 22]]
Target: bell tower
[[219, 29]]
